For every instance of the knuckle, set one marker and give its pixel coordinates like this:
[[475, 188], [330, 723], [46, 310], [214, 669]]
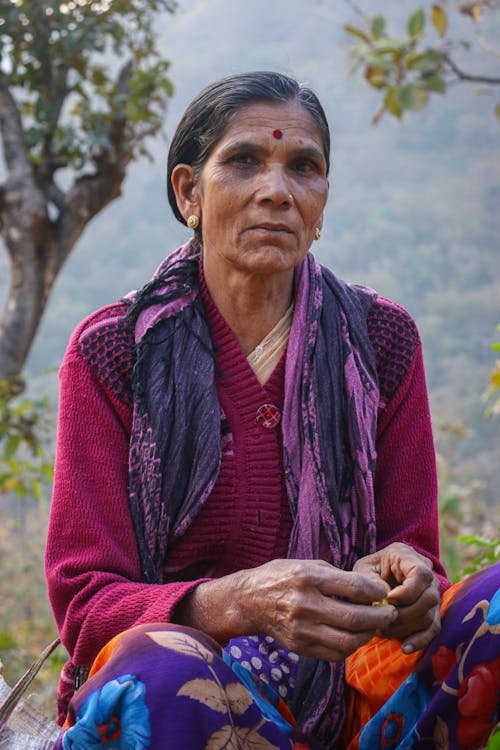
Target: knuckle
[[426, 573], [295, 603]]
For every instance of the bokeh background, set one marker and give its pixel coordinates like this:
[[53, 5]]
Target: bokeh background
[[413, 211]]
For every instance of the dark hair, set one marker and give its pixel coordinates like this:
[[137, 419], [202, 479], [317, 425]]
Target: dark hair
[[206, 118]]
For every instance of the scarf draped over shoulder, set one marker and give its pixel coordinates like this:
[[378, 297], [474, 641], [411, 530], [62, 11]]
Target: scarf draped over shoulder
[[328, 423]]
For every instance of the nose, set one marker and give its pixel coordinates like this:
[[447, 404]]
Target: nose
[[274, 188]]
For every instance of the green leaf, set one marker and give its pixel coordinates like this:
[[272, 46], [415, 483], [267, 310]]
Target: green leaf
[[377, 26], [433, 82], [412, 97], [439, 19], [427, 61], [416, 23], [393, 101], [377, 80], [494, 740], [11, 445], [6, 640], [380, 62], [354, 31]]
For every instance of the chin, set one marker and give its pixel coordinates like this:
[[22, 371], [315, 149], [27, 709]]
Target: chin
[[274, 259]]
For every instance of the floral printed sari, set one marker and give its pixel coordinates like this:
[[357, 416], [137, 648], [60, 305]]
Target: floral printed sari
[[165, 686]]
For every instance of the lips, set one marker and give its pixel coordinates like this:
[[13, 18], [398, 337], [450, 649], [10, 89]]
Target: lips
[[278, 228]]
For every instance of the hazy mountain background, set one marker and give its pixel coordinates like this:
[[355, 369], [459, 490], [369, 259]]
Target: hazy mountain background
[[414, 207]]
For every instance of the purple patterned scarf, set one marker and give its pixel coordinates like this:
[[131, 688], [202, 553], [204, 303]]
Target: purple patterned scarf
[[329, 424]]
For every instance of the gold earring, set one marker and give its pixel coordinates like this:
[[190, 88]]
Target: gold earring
[[317, 233], [193, 221]]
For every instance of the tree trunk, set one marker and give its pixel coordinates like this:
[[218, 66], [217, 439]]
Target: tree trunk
[[29, 289], [37, 244]]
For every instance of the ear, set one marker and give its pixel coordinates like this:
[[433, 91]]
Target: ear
[[184, 182]]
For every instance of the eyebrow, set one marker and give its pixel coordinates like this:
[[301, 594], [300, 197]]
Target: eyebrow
[[255, 148]]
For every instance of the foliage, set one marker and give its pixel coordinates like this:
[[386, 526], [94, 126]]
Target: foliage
[[60, 59], [405, 68], [467, 530], [492, 394], [27, 624], [24, 464], [82, 87], [488, 552]]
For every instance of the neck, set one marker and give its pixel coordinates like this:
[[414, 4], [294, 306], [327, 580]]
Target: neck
[[250, 304]]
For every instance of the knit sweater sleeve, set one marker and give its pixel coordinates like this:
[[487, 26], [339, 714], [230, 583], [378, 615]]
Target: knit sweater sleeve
[[92, 562], [405, 478]]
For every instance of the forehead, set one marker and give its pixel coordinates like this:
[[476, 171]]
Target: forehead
[[260, 119]]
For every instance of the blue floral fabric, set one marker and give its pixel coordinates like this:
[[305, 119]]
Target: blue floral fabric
[[452, 699], [163, 686]]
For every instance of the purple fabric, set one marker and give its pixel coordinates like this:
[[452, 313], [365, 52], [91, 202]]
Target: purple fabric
[[169, 686], [452, 699], [329, 423], [166, 686]]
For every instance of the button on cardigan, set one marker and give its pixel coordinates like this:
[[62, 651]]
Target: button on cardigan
[[92, 563]]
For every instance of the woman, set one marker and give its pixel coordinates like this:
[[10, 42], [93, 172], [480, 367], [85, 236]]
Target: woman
[[245, 465]]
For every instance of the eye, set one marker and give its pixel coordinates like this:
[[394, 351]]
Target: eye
[[243, 160], [305, 166]]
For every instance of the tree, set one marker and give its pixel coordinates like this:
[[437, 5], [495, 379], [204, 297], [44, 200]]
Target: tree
[[407, 69], [82, 88]]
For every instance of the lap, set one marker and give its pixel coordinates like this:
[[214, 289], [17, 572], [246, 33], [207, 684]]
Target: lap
[[161, 685], [445, 697]]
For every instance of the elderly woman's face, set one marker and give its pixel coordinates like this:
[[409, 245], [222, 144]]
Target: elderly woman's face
[[262, 191]]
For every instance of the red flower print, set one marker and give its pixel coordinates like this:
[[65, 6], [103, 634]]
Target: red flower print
[[443, 662], [391, 730], [477, 703]]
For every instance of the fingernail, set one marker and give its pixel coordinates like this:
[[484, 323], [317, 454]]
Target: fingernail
[[394, 614], [408, 648]]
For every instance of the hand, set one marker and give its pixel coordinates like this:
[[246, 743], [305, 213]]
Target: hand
[[296, 602], [414, 591]]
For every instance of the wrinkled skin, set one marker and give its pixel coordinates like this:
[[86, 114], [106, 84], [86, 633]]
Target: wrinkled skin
[[296, 601], [414, 592], [259, 200]]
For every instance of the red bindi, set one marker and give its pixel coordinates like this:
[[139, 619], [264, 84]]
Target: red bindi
[[278, 134]]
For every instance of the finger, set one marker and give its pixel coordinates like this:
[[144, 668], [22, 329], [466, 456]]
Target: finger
[[418, 615], [356, 618], [422, 638], [354, 586], [331, 644], [407, 623], [418, 581]]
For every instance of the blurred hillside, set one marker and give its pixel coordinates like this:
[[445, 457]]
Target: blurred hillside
[[413, 208]]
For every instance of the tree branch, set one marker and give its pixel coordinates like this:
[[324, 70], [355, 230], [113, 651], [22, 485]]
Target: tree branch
[[2, 205], [11, 127], [92, 192], [359, 11], [471, 78]]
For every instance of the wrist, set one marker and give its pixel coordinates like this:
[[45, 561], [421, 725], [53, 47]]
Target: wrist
[[214, 607]]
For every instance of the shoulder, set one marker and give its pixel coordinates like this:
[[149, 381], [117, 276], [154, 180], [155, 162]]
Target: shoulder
[[104, 343], [395, 340]]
